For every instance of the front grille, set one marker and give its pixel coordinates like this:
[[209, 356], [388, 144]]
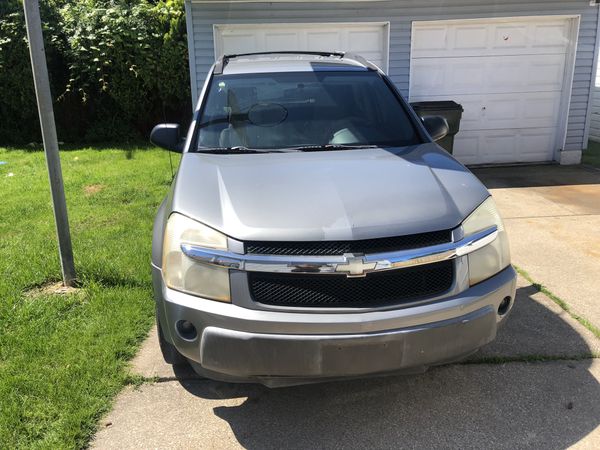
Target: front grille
[[365, 246], [376, 289]]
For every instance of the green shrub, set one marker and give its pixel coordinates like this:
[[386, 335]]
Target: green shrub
[[18, 111], [116, 67]]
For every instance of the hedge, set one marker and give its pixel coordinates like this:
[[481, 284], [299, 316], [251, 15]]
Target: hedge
[[116, 68]]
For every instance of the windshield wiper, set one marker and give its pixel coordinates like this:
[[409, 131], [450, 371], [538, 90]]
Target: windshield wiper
[[318, 148], [240, 149], [237, 149]]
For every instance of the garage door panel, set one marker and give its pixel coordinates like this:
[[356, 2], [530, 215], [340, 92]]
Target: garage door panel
[[276, 41], [548, 74], [367, 39], [427, 76], [320, 40], [544, 108], [499, 146], [503, 112], [240, 43], [498, 37], [504, 77], [535, 142], [466, 147], [551, 36], [452, 76], [531, 110], [469, 38], [503, 146], [498, 111], [511, 37], [466, 76], [475, 147], [525, 73], [428, 41], [499, 74]]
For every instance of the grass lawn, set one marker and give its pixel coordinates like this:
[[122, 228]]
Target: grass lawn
[[591, 155], [63, 357]]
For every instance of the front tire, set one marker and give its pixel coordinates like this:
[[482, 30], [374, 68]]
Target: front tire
[[170, 354]]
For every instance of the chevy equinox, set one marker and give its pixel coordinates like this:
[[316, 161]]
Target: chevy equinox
[[315, 230]]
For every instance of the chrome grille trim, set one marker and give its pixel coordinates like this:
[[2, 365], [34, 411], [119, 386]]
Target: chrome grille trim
[[353, 265]]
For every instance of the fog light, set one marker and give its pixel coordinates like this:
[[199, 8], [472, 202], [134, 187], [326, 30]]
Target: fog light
[[186, 330], [504, 306]]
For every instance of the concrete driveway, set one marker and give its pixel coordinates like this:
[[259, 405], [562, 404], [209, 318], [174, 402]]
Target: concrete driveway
[[537, 385], [552, 214]]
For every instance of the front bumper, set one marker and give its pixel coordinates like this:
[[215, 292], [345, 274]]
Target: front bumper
[[283, 348]]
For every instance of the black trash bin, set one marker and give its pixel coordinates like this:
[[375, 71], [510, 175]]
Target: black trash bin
[[448, 109]]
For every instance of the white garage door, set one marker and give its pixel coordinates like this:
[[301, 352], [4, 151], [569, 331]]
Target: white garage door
[[369, 40], [508, 74]]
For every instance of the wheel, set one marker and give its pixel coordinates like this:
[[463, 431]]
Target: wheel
[[170, 354]]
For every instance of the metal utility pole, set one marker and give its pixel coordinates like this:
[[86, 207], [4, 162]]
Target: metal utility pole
[[44, 101]]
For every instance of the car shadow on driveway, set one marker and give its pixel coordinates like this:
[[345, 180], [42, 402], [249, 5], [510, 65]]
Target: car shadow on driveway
[[548, 396], [543, 175]]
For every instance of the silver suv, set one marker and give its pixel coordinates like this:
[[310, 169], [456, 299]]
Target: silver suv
[[315, 230]]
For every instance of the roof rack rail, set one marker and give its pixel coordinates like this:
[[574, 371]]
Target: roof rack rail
[[362, 60], [224, 60]]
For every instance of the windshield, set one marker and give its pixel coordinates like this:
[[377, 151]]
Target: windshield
[[302, 109]]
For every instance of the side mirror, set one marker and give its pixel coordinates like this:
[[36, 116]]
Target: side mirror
[[436, 126], [167, 135]]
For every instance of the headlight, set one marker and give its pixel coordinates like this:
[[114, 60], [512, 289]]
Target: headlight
[[494, 257], [183, 273]]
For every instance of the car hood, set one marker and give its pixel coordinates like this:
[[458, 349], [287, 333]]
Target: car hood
[[329, 195]]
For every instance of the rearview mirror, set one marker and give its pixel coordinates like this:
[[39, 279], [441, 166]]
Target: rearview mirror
[[436, 126], [167, 135]]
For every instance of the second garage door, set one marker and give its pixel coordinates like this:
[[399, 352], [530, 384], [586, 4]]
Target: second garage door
[[508, 74], [365, 38]]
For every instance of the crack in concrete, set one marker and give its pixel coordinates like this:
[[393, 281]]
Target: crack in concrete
[[560, 302]]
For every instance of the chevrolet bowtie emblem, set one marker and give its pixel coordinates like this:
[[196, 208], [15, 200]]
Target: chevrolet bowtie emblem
[[355, 266]]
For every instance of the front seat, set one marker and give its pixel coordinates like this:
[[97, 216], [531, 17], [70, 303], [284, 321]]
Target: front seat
[[232, 137], [238, 99]]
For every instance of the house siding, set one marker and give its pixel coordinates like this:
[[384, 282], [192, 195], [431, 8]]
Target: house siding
[[401, 14], [595, 111]]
